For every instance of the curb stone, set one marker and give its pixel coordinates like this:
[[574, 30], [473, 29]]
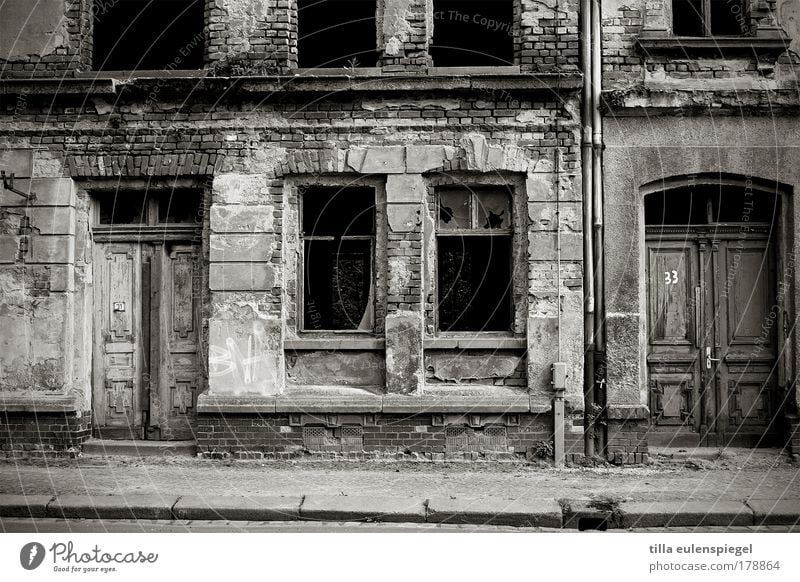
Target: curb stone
[[237, 508], [543, 513], [111, 507], [24, 505], [362, 508], [685, 514], [769, 512], [514, 512]]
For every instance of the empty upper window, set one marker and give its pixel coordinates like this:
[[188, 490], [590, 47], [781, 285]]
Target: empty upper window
[[709, 204], [140, 207], [338, 235], [472, 33], [709, 17], [336, 33], [474, 259], [148, 34]]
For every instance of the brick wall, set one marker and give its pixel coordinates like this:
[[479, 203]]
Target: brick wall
[[26, 434], [626, 442], [420, 436]]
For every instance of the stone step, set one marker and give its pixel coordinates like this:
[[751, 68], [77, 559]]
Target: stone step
[[139, 448]]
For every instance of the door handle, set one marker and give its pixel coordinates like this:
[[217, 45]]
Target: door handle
[[709, 359]]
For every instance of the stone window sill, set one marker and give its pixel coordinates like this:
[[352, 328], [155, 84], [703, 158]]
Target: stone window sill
[[475, 342], [712, 46], [335, 343]]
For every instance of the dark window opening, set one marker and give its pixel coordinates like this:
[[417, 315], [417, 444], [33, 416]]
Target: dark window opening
[[179, 206], [338, 226], [336, 33], [124, 207], [475, 283], [709, 17], [148, 34], [474, 239], [472, 34], [676, 207], [737, 205], [721, 204]]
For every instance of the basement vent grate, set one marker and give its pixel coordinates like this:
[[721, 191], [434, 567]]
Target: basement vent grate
[[465, 439], [343, 439]]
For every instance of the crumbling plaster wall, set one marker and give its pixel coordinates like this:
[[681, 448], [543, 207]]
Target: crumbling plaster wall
[[45, 305], [43, 37]]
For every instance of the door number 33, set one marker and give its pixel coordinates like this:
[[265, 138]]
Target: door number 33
[[670, 277]]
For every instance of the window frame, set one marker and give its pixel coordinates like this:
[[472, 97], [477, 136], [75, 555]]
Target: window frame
[[152, 229], [301, 261], [508, 233]]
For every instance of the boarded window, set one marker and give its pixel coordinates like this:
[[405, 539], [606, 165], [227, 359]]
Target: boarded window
[[472, 33], [709, 17], [148, 34], [336, 33], [338, 231], [474, 257]]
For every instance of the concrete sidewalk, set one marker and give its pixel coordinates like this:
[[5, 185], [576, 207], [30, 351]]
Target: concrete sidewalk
[[538, 513]]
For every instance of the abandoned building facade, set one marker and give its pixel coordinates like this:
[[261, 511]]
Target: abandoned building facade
[[430, 227]]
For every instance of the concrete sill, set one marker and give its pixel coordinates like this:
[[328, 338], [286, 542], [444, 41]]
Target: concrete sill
[[475, 343], [36, 402], [267, 87], [335, 343], [713, 46]]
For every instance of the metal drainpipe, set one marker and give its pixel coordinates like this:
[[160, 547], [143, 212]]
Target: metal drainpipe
[[587, 175], [597, 189]]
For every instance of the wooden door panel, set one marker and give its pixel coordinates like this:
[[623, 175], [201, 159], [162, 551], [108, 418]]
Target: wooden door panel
[[173, 408], [671, 294], [672, 399], [673, 365], [117, 377], [749, 302]]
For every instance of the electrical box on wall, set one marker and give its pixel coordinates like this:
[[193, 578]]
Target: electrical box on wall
[[559, 380]]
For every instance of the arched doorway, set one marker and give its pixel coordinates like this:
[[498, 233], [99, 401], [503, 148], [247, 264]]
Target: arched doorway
[[713, 316]]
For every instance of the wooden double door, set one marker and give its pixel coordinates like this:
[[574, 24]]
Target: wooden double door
[[714, 323], [147, 365]]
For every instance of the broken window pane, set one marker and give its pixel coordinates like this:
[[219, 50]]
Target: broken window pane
[[336, 33], [472, 33], [493, 210], [123, 207], [454, 209], [474, 283], [687, 18], [180, 206], [148, 34], [334, 211], [337, 285]]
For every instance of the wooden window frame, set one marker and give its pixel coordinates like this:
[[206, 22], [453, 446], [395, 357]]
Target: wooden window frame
[[474, 231], [301, 262]]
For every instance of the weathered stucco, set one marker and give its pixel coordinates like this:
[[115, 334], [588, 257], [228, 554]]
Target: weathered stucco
[[32, 28]]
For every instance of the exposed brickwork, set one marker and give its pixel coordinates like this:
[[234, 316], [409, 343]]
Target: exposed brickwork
[[627, 442], [27, 434], [249, 38], [548, 36], [386, 434]]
